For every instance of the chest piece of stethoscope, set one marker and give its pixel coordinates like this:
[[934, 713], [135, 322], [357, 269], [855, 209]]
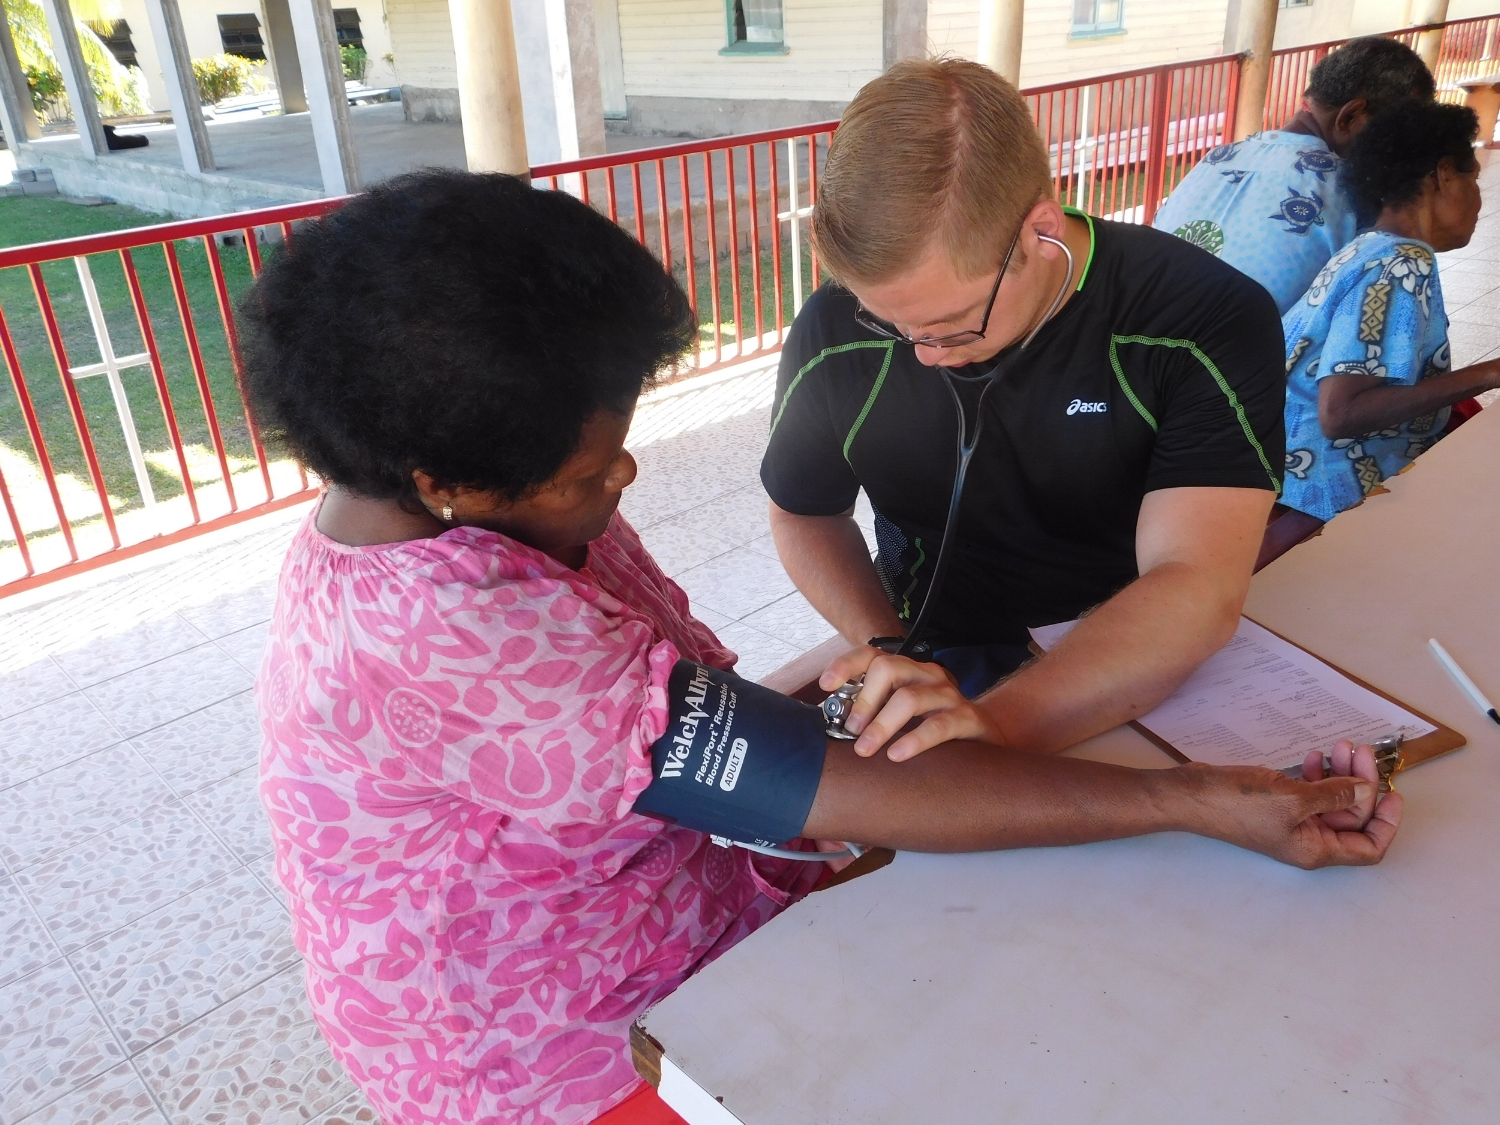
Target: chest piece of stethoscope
[[836, 709]]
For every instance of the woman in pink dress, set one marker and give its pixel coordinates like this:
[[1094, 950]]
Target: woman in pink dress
[[468, 680]]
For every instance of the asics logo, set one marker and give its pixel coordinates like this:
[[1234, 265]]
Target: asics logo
[[1078, 406]]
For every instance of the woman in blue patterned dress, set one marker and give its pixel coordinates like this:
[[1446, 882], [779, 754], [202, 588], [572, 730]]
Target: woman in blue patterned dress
[[1368, 379]]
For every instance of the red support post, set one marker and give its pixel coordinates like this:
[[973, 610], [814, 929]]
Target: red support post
[[689, 250], [226, 313], [1156, 151], [776, 236], [737, 307], [754, 192], [663, 235], [200, 372], [34, 429], [15, 525], [711, 207], [159, 376], [75, 404]]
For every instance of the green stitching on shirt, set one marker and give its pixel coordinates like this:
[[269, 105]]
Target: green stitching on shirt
[[1093, 244], [869, 402], [1114, 361], [819, 358], [1208, 364], [906, 597]]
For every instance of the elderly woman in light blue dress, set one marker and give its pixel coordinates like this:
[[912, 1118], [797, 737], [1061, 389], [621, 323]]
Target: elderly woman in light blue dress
[[1368, 373]]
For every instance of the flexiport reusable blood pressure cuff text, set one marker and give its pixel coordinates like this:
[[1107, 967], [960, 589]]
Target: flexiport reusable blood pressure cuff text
[[737, 759]]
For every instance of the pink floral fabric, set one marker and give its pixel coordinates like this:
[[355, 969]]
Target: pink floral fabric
[[455, 730]]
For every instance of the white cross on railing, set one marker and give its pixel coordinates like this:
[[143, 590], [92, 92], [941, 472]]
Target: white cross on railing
[[794, 215], [110, 367]]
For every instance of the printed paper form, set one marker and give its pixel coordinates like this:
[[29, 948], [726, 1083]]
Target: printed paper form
[[1261, 701]]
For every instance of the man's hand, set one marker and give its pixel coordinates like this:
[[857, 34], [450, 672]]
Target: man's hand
[[1315, 822], [896, 691]]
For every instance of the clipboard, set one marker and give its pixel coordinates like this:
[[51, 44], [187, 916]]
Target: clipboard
[[1418, 750], [1412, 752]]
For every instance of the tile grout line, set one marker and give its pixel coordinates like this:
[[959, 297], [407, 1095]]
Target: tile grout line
[[98, 1011], [130, 738], [240, 864], [63, 672], [244, 863], [214, 641]]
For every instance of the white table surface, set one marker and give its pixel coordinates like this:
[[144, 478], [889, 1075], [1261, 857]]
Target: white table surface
[[1170, 978]]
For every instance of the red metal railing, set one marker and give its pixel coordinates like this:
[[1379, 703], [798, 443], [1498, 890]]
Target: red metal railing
[[1119, 143], [739, 245], [57, 525], [727, 217], [1469, 46]]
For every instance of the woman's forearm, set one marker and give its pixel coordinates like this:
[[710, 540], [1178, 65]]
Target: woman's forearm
[[967, 796], [1348, 414]]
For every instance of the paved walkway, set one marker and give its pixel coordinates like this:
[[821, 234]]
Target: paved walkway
[[279, 148], [146, 973]]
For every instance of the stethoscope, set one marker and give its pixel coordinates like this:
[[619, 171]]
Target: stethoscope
[[968, 441]]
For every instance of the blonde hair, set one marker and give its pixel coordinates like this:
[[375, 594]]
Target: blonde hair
[[941, 148]]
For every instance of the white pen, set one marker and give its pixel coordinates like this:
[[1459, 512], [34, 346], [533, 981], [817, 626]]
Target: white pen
[[1461, 677]]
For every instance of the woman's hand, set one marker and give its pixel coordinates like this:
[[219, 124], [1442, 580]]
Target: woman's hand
[[1346, 760], [896, 691], [1316, 822]]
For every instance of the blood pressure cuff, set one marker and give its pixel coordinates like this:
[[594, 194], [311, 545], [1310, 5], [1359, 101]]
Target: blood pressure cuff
[[737, 759]]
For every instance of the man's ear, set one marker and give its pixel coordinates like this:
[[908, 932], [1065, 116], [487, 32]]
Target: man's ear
[[1351, 116]]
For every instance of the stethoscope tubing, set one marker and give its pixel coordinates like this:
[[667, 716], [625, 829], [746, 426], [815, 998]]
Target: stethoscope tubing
[[967, 443]]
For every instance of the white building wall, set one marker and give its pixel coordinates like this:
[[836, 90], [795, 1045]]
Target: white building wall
[[133, 12], [671, 49], [424, 43], [1317, 22], [200, 20], [1156, 31]]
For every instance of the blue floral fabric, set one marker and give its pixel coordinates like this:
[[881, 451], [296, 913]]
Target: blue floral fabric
[[1270, 205], [1375, 309]]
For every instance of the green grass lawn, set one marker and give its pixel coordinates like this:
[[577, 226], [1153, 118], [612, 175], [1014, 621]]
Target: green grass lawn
[[39, 219]]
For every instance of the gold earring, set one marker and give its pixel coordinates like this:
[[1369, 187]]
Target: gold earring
[[447, 513]]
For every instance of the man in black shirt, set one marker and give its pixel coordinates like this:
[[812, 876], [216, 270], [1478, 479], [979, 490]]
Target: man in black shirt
[[1132, 395]]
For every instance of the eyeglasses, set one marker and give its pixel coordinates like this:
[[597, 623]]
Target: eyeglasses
[[950, 339]]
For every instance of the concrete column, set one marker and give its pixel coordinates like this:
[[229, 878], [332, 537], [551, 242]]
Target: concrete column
[[1254, 39], [489, 86], [611, 59], [182, 87], [1000, 26], [15, 96], [1429, 43], [281, 47], [327, 105], [75, 77], [905, 26], [574, 47]]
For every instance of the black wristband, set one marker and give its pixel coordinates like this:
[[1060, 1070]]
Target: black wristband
[[921, 652]]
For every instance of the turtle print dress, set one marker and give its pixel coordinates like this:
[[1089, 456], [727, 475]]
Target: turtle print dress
[[1375, 309]]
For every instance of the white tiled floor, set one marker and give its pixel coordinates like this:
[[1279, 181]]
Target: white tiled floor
[[145, 969]]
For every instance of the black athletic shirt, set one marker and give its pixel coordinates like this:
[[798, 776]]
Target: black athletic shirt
[[1165, 369]]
